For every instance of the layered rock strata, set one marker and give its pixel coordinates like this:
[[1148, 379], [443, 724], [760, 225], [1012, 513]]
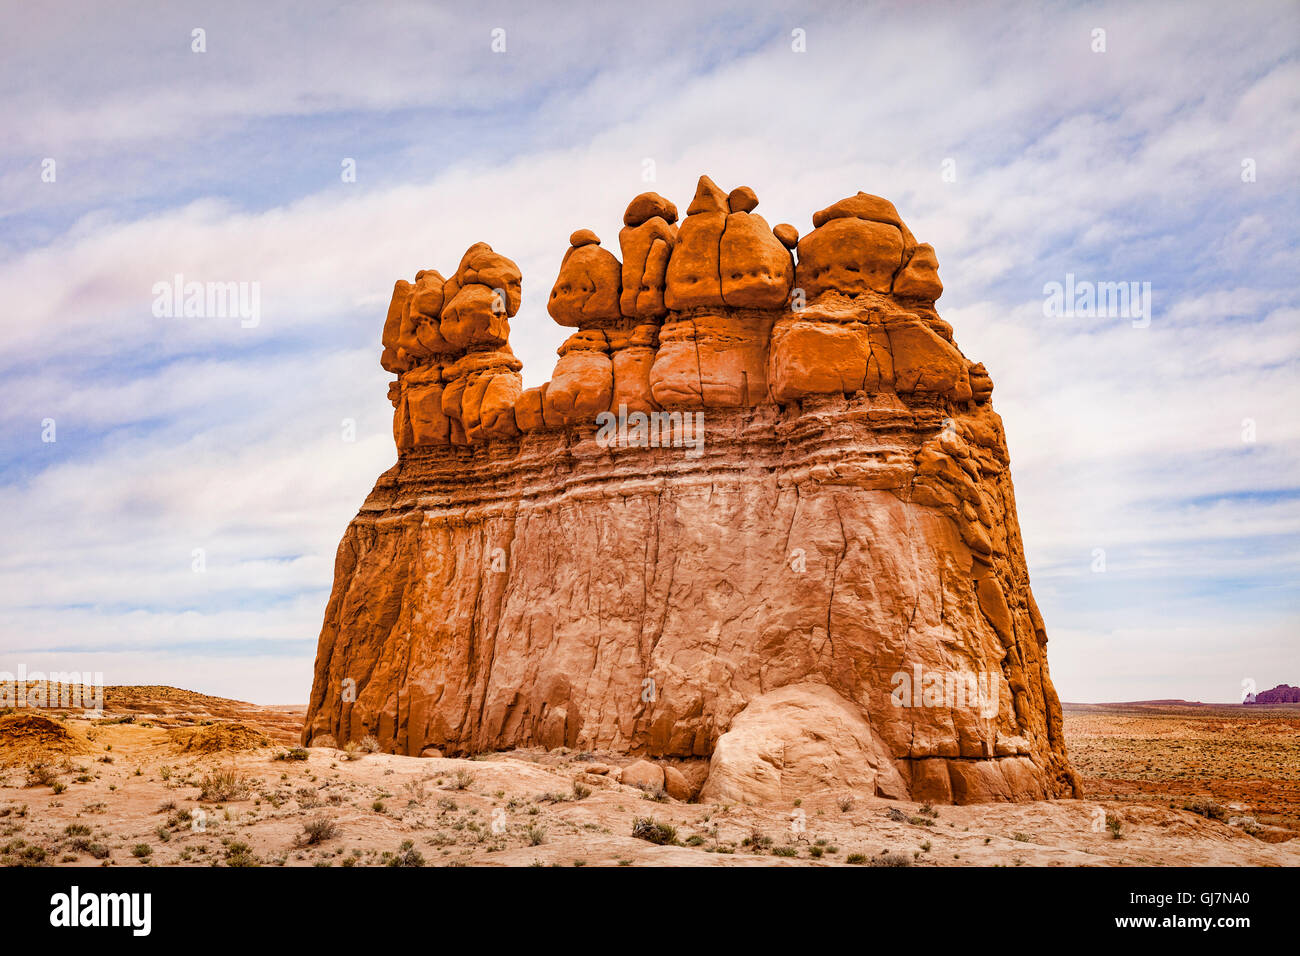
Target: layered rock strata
[[761, 516]]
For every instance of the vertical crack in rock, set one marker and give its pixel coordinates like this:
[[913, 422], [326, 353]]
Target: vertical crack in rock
[[835, 572]]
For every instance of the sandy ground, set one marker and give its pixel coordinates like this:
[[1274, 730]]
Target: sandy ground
[[1245, 758], [148, 792]]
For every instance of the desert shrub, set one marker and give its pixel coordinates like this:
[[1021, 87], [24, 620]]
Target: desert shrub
[[536, 834], [418, 789], [141, 850], [463, 780], [407, 855], [351, 751], [19, 853], [784, 851], [1115, 826], [83, 844], [369, 744], [580, 790], [297, 753], [652, 831], [179, 818], [317, 830], [42, 775], [889, 859], [80, 843], [224, 785], [1208, 809], [1249, 825], [240, 854], [857, 859], [845, 803], [77, 829]]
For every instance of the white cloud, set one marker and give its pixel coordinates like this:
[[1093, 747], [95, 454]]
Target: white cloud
[[185, 433]]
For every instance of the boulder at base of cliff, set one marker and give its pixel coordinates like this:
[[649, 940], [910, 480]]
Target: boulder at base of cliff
[[643, 774], [796, 740]]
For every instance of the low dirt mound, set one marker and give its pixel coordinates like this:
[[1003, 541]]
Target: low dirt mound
[[216, 738], [31, 736]]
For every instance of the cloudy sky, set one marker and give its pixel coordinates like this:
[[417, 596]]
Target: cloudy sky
[[1166, 453]]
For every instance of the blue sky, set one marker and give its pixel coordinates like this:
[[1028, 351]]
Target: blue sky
[[180, 434]]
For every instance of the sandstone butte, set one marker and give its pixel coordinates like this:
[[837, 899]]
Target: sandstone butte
[[776, 572], [1281, 694]]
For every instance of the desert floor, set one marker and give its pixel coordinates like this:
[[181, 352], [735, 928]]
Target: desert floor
[[167, 778]]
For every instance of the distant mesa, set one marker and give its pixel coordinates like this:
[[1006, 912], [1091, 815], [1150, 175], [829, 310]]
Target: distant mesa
[[1281, 694]]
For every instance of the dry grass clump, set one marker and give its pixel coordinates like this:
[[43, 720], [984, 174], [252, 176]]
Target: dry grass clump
[[222, 785], [317, 830], [652, 831]]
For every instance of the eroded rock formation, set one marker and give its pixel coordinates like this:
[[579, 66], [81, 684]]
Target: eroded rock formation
[[1281, 694], [824, 587]]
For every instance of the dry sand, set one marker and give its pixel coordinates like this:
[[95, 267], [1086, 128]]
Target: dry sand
[[129, 790]]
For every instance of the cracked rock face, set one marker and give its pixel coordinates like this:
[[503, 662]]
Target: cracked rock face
[[759, 521]]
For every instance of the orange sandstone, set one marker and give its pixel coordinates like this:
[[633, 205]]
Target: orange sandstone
[[824, 588]]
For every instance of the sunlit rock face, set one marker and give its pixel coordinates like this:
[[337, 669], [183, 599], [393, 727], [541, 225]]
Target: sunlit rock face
[[760, 518]]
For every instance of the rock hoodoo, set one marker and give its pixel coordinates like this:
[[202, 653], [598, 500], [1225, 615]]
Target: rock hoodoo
[[823, 587]]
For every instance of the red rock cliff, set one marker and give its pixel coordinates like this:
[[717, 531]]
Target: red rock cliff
[[761, 516]]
